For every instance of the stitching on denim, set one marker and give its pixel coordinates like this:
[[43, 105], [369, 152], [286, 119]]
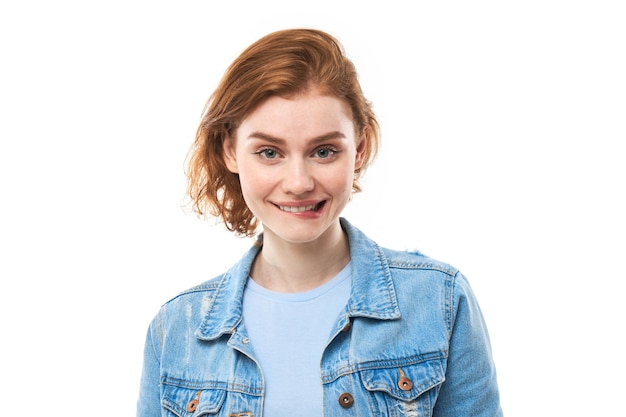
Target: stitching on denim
[[448, 270]]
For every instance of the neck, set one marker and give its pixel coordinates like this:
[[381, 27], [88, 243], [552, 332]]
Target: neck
[[296, 267]]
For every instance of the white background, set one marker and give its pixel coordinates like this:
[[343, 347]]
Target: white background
[[503, 130]]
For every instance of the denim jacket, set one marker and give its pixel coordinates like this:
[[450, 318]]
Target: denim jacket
[[410, 342]]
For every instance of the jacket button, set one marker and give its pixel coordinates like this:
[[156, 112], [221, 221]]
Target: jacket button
[[346, 400], [404, 383], [192, 405]]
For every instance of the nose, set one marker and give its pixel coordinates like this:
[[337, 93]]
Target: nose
[[298, 178]]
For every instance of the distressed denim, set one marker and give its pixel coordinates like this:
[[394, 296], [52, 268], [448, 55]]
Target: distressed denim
[[410, 342]]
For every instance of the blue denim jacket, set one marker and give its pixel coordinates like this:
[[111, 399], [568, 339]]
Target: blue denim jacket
[[411, 342]]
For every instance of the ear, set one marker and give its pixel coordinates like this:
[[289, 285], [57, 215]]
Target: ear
[[230, 156], [360, 152]]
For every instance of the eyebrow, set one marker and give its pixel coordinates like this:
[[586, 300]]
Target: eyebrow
[[322, 138]]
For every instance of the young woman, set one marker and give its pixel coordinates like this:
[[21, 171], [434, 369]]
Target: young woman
[[316, 319]]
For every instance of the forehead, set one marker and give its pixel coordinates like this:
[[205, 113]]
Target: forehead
[[309, 113]]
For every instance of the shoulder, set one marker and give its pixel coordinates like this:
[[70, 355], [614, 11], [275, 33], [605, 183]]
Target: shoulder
[[413, 268], [207, 287], [413, 271], [410, 266], [194, 299], [197, 293], [414, 260]]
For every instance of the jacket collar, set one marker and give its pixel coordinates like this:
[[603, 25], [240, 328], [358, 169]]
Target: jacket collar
[[372, 294]]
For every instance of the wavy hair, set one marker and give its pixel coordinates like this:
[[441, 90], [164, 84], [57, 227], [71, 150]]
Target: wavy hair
[[283, 63]]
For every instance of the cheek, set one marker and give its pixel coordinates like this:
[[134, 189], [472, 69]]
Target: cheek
[[253, 183], [340, 180]]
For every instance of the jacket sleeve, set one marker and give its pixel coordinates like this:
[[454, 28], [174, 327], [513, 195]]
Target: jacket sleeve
[[149, 401], [470, 387]]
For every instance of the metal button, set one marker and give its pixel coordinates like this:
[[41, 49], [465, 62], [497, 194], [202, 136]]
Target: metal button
[[191, 407], [193, 404], [404, 383], [346, 400]]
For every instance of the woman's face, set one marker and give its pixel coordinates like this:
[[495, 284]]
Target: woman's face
[[296, 159]]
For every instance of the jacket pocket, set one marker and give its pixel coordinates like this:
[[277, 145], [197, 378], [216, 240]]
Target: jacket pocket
[[410, 389], [182, 401]]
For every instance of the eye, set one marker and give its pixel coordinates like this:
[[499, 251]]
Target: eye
[[267, 153], [325, 153]]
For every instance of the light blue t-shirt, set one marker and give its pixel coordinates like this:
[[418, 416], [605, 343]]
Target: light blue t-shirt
[[288, 333]]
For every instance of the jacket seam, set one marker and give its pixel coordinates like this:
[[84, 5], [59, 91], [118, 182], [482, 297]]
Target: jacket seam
[[219, 385], [450, 271], [450, 305], [383, 364]]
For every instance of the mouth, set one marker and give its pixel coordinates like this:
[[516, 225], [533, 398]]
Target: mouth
[[302, 208]]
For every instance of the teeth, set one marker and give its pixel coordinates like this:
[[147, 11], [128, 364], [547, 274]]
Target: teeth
[[298, 209]]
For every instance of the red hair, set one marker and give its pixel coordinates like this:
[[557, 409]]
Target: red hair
[[282, 63]]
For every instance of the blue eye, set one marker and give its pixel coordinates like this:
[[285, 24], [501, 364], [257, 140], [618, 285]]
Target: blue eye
[[267, 153], [325, 153]]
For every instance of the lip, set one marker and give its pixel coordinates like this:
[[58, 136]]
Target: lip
[[301, 207]]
